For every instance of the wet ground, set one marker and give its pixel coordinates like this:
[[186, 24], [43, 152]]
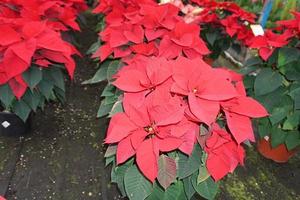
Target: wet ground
[[62, 157]]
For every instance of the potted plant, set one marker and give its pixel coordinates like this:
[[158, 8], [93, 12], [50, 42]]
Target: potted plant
[[276, 86], [34, 56], [177, 124]]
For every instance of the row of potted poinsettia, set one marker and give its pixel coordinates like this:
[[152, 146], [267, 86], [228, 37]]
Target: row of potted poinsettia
[[33, 53], [178, 125]]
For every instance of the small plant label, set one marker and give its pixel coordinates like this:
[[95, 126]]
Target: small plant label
[[257, 29], [5, 124]]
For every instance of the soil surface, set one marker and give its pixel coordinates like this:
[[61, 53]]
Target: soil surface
[[62, 157]]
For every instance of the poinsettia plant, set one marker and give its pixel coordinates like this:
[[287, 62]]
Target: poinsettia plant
[[276, 82], [177, 124], [33, 53]]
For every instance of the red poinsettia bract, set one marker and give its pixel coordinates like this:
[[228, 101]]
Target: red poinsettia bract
[[292, 24], [268, 42], [224, 154]]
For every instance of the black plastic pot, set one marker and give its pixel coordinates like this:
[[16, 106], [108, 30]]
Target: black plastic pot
[[12, 125]]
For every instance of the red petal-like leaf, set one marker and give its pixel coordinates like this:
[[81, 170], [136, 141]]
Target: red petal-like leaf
[[240, 126], [217, 87], [265, 53], [130, 80], [8, 35], [217, 166], [168, 144], [146, 158], [120, 127], [247, 106], [18, 86], [189, 141], [206, 111], [124, 150], [137, 137], [24, 50], [136, 35]]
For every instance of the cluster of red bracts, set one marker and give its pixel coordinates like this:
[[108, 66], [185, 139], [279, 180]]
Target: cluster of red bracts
[[31, 35], [267, 43], [148, 29], [169, 91], [237, 24], [227, 15]]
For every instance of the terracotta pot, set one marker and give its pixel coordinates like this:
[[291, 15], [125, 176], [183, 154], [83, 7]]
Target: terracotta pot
[[279, 154]]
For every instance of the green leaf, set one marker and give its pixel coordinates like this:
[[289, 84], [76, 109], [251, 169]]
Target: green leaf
[[188, 187], [295, 94], [57, 78], [21, 109], [167, 171], [292, 121], [136, 185], [157, 193], [110, 100], [109, 160], [278, 114], [104, 110], [292, 140], [252, 61], [273, 59], [118, 174], [117, 108], [249, 82], [110, 151], [267, 81], [108, 91], [33, 76], [113, 67], [45, 87], [211, 37], [278, 137], [207, 189], [6, 95], [32, 98], [101, 74], [275, 99], [175, 192], [291, 71], [188, 165], [42, 103], [60, 94], [287, 55], [251, 65], [94, 47], [203, 174], [264, 127]]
